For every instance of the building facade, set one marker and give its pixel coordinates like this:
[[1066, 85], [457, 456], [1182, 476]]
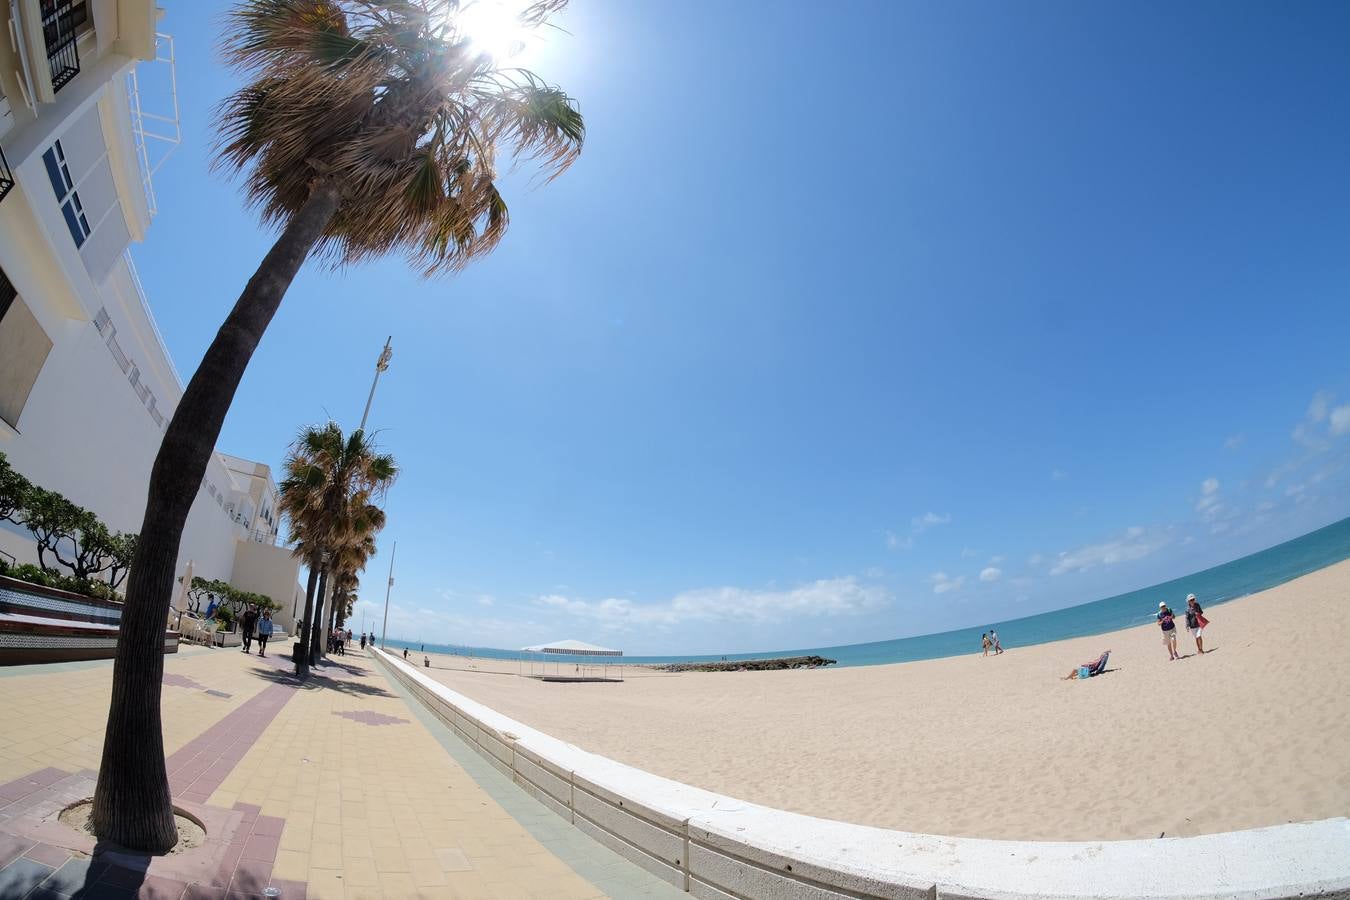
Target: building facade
[[87, 386]]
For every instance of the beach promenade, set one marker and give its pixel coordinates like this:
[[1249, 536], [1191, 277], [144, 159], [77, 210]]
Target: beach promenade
[[335, 788]]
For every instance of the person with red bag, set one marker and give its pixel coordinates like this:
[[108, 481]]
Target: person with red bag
[[1196, 622]]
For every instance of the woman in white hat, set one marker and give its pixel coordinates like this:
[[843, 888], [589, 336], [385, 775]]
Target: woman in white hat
[[1167, 621]]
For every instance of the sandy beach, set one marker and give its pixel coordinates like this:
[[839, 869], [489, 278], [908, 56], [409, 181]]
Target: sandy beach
[[1252, 733]]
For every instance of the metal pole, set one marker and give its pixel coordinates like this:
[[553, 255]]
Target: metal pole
[[384, 629], [380, 365]]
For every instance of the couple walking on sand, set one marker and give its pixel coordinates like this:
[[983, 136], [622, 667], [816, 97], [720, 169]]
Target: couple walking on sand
[[1195, 624], [990, 641]]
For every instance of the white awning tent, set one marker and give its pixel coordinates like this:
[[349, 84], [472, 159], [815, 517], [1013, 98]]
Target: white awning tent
[[571, 661]]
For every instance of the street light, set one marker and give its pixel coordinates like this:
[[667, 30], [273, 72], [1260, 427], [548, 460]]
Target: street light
[[380, 365], [384, 630]]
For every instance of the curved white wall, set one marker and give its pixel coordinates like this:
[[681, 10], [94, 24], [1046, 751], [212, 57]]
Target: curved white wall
[[718, 847]]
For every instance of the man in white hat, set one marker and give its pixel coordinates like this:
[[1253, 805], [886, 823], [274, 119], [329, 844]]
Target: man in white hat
[[1169, 630]]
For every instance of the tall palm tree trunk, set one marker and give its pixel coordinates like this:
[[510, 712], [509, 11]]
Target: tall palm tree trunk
[[317, 644], [300, 654], [132, 806]]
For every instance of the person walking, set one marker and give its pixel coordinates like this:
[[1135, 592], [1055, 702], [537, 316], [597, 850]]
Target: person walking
[[1196, 622], [246, 625], [265, 628], [1167, 622], [993, 638], [986, 643]]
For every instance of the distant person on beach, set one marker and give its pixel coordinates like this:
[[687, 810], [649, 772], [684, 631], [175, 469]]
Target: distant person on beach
[[246, 625], [993, 637], [265, 628], [1167, 622], [1196, 622], [986, 643], [405, 652]]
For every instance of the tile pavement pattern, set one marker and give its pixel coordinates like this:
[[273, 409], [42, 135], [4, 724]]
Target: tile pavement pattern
[[332, 788]]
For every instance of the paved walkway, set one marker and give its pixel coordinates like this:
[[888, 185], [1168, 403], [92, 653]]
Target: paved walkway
[[342, 787]]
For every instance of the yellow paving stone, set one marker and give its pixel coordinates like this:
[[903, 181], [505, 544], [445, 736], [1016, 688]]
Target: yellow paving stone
[[426, 873], [390, 859], [359, 871], [397, 884], [326, 884], [291, 865]]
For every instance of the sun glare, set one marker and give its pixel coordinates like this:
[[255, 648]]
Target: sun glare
[[495, 29]]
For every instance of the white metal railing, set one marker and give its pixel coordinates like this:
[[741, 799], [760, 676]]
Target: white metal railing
[[165, 132]]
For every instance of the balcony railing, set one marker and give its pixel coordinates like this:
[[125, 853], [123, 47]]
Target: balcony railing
[[61, 20], [6, 176]]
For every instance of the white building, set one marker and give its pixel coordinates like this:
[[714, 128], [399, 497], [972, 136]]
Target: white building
[[86, 384]]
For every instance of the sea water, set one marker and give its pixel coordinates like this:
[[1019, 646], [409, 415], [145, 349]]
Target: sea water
[[1229, 581]]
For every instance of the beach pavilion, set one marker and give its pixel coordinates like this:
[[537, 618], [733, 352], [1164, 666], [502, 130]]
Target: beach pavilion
[[572, 661]]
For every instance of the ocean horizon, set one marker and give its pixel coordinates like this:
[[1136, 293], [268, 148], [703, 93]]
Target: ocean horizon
[[1215, 586]]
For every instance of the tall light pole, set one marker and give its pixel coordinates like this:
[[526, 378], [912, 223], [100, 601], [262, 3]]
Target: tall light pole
[[380, 365], [384, 629]]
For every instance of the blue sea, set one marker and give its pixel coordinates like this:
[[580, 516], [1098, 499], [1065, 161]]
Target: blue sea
[[1220, 584]]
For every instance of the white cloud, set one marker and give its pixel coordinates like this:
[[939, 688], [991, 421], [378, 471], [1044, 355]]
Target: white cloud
[[831, 596], [898, 542], [968, 552], [1209, 486], [1320, 406], [486, 600], [920, 524], [875, 572], [1340, 419], [1232, 442], [1210, 505], [995, 560], [942, 583], [1135, 543], [991, 574], [1035, 559]]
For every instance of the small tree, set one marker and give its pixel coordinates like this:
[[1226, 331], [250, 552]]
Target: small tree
[[14, 489]]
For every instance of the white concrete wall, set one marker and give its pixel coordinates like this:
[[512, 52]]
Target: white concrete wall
[[270, 570], [719, 847]]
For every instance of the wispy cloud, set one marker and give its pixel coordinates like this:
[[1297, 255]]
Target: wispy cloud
[[920, 524], [831, 596], [1232, 442], [899, 541], [991, 574], [942, 583], [1135, 543], [1058, 474]]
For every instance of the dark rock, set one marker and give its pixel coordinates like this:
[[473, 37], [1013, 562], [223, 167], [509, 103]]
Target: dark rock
[[749, 665]]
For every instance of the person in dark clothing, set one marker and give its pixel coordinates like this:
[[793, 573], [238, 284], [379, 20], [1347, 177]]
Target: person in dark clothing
[[246, 626], [1196, 622], [1167, 622]]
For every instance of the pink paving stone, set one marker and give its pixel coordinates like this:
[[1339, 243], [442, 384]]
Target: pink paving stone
[[269, 825], [48, 855], [11, 848], [157, 887], [204, 892], [262, 847], [251, 876]]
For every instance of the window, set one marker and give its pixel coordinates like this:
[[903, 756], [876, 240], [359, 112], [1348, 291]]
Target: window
[[66, 195], [61, 23], [24, 347]]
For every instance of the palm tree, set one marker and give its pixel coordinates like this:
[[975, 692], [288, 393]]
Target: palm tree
[[348, 562], [328, 494], [366, 127]]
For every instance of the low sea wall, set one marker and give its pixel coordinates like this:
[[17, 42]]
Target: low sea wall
[[720, 848]]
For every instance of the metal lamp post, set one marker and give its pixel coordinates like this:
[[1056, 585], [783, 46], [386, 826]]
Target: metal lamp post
[[380, 365], [384, 629]]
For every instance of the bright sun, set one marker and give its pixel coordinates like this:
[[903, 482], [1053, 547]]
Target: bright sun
[[494, 27]]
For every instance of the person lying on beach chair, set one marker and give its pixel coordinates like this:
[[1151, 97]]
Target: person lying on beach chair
[[1096, 667]]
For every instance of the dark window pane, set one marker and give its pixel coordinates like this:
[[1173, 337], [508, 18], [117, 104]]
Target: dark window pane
[[7, 294], [54, 173], [77, 233]]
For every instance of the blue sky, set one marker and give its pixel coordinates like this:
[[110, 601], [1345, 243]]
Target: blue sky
[[853, 322]]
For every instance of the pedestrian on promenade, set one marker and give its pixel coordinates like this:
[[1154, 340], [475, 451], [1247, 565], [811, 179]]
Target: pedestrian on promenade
[[246, 625], [265, 627], [363, 640], [1196, 622], [1167, 622]]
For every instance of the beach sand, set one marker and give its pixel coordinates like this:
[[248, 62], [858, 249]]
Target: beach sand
[[1256, 732]]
